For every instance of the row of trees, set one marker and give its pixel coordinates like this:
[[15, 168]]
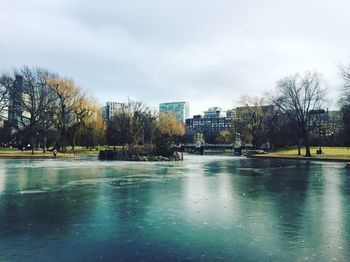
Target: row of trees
[[293, 114], [43, 107]]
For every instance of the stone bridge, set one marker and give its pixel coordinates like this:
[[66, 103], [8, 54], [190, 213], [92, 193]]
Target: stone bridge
[[200, 148]]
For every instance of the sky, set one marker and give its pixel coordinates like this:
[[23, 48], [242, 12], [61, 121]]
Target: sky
[[206, 52]]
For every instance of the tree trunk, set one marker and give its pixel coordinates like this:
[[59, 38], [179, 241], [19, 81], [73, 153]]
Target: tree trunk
[[63, 143], [307, 146], [33, 143], [44, 146], [299, 151], [73, 143]]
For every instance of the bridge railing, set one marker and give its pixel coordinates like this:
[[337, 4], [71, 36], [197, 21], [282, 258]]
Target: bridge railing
[[207, 145]]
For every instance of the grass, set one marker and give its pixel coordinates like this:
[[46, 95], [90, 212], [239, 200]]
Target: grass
[[28, 154], [327, 152], [78, 151], [14, 153]]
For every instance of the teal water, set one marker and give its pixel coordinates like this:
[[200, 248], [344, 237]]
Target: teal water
[[207, 208]]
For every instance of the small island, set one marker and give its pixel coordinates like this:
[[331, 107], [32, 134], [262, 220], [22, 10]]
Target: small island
[[138, 155], [136, 133]]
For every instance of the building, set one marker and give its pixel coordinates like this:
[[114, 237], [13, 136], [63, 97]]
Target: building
[[327, 125], [110, 109], [214, 112], [214, 120], [179, 109], [15, 109]]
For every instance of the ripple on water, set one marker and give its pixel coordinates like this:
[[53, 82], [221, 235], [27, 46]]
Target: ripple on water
[[32, 191], [243, 171]]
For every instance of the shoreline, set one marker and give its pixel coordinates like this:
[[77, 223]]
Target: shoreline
[[36, 157], [22, 155], [40, 155], [122, 155], [325, 159]]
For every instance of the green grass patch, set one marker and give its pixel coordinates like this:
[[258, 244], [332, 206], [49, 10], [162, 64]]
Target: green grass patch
[[327, 152], [28, 154]]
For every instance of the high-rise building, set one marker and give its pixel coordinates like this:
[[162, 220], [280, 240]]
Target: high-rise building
[[110, 109], [214, 112], [15, 108], [179, 109], [214, 120]]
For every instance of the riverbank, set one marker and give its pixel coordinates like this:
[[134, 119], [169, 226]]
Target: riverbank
[[330, 154], [268, 156], [16, 154]]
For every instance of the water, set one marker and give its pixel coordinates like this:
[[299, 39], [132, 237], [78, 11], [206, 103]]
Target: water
[[207, 208]]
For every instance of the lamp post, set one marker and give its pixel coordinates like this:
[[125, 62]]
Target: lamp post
[[332, 138], [36, 139], [319, 140], [45, 130]]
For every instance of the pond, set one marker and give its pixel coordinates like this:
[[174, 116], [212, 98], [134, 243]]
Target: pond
[[206, 208]]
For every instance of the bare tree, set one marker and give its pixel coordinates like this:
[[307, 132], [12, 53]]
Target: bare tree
[[6, 82], [67, 97], [345, 73], [130, 124], [344, 102], [34, 97], [251, 118], [301, 98]]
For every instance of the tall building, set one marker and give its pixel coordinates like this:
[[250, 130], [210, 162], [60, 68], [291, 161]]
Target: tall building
[[110, 109], [214, 120], [15, 108], [179, 109], [214, 112]]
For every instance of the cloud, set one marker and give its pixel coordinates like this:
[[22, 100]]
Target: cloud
[[204, 52]]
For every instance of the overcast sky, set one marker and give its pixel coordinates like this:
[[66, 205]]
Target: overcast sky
[[205, 52]]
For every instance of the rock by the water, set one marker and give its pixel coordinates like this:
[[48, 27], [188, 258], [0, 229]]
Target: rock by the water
[[124, 155]]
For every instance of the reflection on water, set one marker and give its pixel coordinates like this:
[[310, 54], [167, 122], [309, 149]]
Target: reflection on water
[[206, 208]]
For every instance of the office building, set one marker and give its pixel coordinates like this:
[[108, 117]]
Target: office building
[[214, 112], [214, 120], [109, 109], [179, 109], [15, 109]]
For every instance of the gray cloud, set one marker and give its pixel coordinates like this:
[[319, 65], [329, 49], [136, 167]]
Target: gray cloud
[[206, 52]]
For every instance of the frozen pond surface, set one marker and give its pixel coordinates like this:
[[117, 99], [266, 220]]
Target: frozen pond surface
[[207, 208]]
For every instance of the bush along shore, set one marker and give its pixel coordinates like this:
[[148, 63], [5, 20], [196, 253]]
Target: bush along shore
[[138, 155]]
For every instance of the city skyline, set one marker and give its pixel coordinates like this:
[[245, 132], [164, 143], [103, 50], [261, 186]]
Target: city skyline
[[201, 52]]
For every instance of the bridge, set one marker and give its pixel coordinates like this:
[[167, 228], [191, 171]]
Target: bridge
[[201, 147]]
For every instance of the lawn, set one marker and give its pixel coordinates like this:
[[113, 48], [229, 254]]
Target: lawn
[[14, 153], [327, 152]]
